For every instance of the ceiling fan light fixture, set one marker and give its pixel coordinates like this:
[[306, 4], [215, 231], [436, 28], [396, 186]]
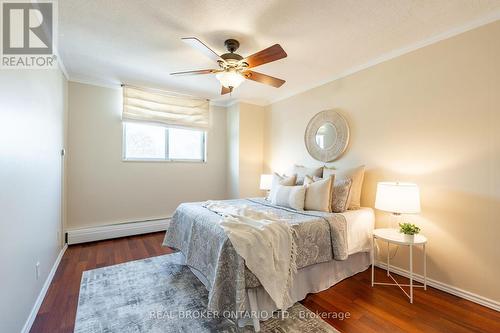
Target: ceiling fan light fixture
[[233, 68], [230, 79]]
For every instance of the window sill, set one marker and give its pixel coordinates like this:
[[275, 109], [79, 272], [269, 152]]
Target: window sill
[[142, 160]]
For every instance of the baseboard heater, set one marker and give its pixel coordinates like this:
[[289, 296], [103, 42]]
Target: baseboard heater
[[92, 234]]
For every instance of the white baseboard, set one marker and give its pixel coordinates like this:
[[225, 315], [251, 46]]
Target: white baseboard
[[41, 295], [445, 287], [91, 234]]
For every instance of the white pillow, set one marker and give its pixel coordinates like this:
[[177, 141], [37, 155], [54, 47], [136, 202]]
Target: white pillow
[[281, 180], [301, 171], [319, 194], [356, 175], [289, 196]]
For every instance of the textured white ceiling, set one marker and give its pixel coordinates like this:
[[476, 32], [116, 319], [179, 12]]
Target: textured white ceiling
[[139, 41]]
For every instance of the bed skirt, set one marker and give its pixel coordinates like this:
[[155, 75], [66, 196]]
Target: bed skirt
[[310, 279], [313, 279]]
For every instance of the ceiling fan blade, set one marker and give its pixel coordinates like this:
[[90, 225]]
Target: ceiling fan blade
[[270, 54], [225, 90], [196, 72], [200, 46], [263, 78]]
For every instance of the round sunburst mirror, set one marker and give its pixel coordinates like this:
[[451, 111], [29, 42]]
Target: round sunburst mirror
[[327, 136]]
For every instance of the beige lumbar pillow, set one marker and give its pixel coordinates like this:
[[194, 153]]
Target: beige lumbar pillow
[[281, 180], [309, 180], [289, 196], [318, 194], [356, 175], [340, 193], [302, 171]]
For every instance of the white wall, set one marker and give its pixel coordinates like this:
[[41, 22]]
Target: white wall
[[32, 116], [431, 117], [102, 189]]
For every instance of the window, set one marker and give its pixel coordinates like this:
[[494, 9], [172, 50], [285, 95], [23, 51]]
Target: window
[[186, 144], [147, 142]]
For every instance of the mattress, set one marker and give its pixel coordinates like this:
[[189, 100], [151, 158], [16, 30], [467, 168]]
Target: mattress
[[360, 224]]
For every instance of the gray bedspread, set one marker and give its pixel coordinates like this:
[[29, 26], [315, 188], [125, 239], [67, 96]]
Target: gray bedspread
[[195, 231]]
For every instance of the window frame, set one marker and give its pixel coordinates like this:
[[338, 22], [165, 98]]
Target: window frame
[[203, 143]]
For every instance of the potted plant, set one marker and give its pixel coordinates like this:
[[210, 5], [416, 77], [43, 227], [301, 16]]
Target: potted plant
[[409, 231]]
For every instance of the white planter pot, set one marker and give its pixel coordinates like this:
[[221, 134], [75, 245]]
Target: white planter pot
[[408, 238]]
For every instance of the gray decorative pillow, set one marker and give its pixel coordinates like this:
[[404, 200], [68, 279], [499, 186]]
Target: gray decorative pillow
[[340, 200], [302, 171], [290, 196], [356, 175]]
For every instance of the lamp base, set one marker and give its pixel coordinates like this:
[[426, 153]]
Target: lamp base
[[268, 194], [396, 220]]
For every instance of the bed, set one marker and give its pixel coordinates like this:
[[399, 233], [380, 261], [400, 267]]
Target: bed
[[330, 247]]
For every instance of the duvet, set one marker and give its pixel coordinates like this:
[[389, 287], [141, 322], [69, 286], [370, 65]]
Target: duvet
[[195, 231]]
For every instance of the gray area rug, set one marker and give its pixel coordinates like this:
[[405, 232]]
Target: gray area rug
[[159, 295]]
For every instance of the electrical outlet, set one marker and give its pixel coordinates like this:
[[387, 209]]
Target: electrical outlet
[[37, 270]]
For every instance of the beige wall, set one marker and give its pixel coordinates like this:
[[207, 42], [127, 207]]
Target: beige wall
[[102, 189], [251, 149], [233, 151], [245, 126], [32, 116], [431, 117]]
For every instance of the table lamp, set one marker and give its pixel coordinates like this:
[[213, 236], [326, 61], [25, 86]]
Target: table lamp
[[266, 182], [398, 198]]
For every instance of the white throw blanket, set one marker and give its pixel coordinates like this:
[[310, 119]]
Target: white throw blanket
[[265, 243]]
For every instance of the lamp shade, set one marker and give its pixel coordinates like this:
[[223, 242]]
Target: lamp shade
[[399, 198], [266, 182]]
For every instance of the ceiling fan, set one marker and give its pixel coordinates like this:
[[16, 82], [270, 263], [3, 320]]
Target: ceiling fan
[[233, 68]]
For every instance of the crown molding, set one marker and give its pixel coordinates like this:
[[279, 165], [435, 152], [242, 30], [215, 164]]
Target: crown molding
[[495, 16], [97, 83], [60, 63]]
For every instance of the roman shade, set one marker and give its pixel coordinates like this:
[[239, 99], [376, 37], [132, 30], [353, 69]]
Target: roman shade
[[166, 108]]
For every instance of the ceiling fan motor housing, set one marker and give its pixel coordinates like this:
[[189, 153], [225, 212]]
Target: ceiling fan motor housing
[[231, 56], [231, 45], [231, 59]]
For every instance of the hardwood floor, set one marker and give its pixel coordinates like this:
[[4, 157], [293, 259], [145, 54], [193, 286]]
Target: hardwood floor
[[58, 310], [386, 308], [379, 309]]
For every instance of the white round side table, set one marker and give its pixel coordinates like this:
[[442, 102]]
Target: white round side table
[[393, 236]]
